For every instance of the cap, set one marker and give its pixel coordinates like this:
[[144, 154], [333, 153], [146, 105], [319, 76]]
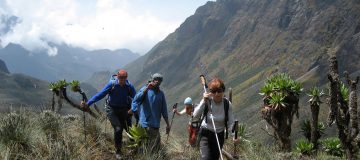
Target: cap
[[157, 76], [188, 100]]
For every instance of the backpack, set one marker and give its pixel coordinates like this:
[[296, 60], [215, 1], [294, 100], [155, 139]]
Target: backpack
[[197, 129]]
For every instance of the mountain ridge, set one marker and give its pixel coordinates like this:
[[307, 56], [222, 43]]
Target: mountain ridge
[[70, 63]]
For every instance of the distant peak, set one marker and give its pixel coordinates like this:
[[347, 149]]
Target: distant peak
[[3, 67]]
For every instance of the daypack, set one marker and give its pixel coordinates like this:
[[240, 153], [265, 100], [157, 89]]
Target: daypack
[[197, 129], [193, 133], [113, 80]]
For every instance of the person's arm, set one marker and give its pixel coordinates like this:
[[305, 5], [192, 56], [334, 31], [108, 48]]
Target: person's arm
[[182, 111], [179, 113], [100, 95], [164, 112], [139, 97], [134, 108], [231, 117], [133, 91], [199, 109]]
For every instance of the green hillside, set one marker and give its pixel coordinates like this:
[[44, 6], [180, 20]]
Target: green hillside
[[244, 42], [18, 89]]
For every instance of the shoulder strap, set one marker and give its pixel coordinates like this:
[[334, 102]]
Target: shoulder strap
[[129, 89], [113, 80], [112, 85], [112, 88], [206, 110], [226, 109]]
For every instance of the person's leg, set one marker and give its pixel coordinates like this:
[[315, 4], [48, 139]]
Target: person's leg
[[214, 149], [121, 115], [136, 115], [128, 122], [204, 146], [117, 121], [154, 140]]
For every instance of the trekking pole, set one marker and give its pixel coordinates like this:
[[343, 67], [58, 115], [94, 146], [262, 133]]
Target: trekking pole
[[235, 129], [84, 98], [174, 106], [217, 138], [203, 82], [230, 95], [85, 129]]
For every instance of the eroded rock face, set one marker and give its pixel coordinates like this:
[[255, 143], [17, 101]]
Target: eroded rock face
[[3, 67]]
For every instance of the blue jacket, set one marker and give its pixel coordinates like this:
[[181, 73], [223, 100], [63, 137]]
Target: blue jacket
[[151, 106], [119, 96]]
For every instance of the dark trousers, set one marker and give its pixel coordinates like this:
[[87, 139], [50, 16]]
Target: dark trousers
[[208, 146], [154, 139], [119, 119]]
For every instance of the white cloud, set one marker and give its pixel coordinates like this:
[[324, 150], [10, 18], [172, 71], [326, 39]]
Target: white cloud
[[110, 24]]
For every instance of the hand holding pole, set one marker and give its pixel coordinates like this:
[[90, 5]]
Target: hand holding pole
[[168, 131]]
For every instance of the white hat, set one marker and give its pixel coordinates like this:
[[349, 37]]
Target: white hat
[[188, 100]]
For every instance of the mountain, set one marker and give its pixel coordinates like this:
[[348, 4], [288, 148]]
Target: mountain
[[243, 42], [70, 63], [19, 89], [22, 90], [3, 67]]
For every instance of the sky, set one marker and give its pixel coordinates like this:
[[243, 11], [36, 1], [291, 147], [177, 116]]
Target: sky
[[92, 24]]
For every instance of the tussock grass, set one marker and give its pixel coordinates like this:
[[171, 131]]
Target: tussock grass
[[47, 135]]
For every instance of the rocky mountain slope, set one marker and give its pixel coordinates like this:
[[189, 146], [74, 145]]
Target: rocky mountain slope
[[245, 41]]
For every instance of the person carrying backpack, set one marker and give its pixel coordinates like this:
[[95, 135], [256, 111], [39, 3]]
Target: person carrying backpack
[[221, 110], [120, 94], [193, 126]]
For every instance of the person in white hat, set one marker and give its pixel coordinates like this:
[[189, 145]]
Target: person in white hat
[[193, 126]]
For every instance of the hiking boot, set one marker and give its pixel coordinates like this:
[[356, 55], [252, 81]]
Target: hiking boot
[[118, 156]]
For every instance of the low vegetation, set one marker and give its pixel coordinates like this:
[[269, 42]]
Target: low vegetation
[[48, 135]]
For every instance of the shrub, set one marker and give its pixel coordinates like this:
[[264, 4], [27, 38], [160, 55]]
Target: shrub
[[306, 129], [14, 130], [50, 123], [138, 134], [332, 146], [304, 147]]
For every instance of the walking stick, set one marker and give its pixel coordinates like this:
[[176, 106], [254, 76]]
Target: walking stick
[[85, 129], [84, 98], [230, 95], [174, 106], [235, 129], [203, 82]]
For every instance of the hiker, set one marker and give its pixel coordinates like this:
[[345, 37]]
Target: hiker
[[193, 126], [217, 102], [120, 93], [151, 104]]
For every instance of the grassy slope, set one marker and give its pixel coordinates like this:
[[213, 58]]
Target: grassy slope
[[46, 135]]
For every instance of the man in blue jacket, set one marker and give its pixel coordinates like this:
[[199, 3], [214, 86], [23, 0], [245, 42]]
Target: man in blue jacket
[[151, 103], [121, 92]]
